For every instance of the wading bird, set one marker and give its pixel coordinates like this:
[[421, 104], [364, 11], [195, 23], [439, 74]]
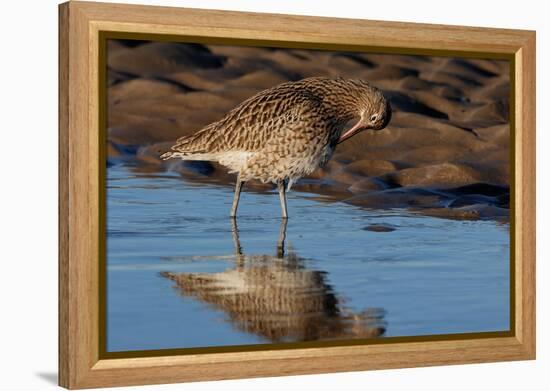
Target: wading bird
[[286, 132]]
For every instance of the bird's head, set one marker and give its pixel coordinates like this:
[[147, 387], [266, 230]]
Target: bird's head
[[372, 109]]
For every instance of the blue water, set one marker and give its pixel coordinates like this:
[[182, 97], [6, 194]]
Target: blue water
[[334, 280]]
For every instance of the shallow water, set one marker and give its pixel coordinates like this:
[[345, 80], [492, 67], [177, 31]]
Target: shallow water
[[180, 274]]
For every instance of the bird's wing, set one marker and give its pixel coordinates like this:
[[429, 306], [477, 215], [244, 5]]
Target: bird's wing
[[265, 118], [256, 122]]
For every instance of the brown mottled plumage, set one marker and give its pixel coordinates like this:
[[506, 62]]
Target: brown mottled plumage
[[286, 132]]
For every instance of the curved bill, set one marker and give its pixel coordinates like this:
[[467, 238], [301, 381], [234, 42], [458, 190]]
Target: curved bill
[[355, 129]]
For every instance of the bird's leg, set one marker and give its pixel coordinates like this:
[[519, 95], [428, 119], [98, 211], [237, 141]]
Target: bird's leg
[[282, 237], [238, 187], [282, 195]]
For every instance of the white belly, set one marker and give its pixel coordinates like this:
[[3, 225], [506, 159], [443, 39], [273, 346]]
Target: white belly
[[234, 160]]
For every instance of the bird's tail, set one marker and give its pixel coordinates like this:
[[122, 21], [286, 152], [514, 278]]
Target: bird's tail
[[193, 147], [167, 155], [188, 155], [184, 155]]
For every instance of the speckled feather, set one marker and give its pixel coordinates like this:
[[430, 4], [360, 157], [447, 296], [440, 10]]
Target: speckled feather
[[285, 132]]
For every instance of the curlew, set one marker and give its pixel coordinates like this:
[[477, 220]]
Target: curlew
[[287, 131]]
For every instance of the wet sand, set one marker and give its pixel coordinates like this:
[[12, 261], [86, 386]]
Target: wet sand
[[444, 154]]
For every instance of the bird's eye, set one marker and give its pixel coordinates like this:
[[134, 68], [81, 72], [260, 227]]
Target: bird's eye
[[373, 117]]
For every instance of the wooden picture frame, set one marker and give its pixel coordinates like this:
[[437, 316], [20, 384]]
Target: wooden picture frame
[[81, 364]]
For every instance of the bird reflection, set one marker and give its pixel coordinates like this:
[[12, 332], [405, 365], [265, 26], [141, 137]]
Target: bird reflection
[[276, 297]]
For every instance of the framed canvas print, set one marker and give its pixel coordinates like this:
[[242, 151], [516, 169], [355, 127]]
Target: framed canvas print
[[247, 195]]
